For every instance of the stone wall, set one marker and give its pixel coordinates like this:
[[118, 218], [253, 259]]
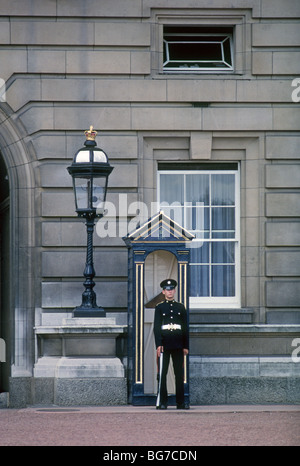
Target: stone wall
[[70, 64]]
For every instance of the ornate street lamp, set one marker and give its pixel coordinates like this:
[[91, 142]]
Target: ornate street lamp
[[90, 171]]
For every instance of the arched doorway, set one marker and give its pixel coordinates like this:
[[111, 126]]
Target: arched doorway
[[4, 278], [18, 269]]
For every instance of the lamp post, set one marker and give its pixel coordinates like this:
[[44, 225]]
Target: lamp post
[[90, 171]]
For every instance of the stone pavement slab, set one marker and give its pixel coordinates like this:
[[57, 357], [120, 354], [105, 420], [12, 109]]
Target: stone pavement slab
[[136, 426]]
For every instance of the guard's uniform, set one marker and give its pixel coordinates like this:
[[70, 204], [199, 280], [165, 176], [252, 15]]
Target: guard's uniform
[[171, 332]]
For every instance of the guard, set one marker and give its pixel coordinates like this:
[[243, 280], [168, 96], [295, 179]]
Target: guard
[[171, 339]]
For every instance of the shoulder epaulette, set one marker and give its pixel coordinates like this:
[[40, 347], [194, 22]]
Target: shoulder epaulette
[[161, 302]]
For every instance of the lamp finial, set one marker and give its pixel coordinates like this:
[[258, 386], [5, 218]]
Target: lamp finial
[[90, 134]]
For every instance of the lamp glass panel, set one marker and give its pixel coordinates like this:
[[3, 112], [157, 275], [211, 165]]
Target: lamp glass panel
[[100, 156], [83, 156], [82, 189], [99, 192]]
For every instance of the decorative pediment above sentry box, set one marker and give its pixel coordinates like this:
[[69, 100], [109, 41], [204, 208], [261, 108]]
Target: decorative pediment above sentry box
[[158, 249], [159, 229]]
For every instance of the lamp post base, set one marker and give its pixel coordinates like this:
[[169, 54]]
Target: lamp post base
[[82, 311]]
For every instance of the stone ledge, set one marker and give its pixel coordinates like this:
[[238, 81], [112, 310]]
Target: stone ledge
[[82, 337], [240, 328], [83, 325], [244, 390], [80, 367], [242, 366]]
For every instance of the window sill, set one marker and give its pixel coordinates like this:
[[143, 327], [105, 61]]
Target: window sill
[[197, 75]]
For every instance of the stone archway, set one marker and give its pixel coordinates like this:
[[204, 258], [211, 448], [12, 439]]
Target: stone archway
[[20, 237], [4, 275]]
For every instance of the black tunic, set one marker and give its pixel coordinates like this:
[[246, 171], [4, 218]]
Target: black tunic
[[171, 312]]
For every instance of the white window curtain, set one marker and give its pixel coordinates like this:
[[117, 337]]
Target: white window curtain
[[206, 203]]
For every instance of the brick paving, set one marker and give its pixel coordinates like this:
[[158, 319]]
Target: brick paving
[[144, 426]]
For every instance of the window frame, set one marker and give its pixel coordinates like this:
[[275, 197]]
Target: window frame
[[229, 68], [213, 302]]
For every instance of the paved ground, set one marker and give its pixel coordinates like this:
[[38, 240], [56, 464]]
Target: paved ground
[[272, 425]]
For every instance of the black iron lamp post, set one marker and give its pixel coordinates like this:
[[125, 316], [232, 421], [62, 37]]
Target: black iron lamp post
[[90, 171]]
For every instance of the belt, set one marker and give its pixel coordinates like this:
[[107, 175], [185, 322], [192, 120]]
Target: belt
[[171, 327]]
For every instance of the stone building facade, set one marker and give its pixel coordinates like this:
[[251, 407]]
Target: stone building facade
[[162, 113]]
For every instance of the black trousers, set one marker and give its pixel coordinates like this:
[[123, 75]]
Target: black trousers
[[177, 359]]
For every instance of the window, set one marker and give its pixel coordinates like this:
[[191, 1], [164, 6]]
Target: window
[[206, 202], [197, 49]]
